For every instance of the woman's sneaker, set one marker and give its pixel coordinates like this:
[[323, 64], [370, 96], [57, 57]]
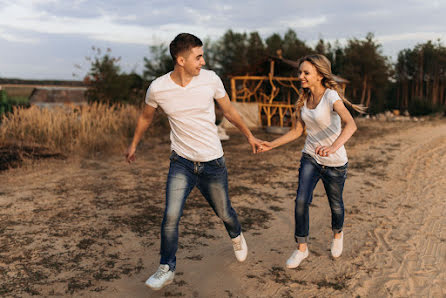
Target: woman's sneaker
[[337, 246], [296, 258], [240, 247], [162, 277]]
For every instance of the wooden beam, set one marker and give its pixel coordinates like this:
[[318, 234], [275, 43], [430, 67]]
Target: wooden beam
[[233, 90]]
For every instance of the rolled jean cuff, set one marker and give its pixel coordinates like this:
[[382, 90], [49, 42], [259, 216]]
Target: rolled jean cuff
[[301, 239], [172, 267], [337, 231], [236, 236]]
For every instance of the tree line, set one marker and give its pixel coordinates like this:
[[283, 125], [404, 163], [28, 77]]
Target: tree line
[[416, 82]]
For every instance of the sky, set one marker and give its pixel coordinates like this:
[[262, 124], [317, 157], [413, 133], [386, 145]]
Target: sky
[[45, 39]]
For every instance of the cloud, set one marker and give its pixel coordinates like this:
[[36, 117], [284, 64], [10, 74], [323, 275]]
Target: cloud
[[66, 28], [16, 38], [413, 36], [300, 23]]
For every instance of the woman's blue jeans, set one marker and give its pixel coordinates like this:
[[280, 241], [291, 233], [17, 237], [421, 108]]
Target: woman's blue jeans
[[310, 172], [211, 178]]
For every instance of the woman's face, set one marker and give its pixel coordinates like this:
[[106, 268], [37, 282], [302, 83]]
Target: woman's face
[[309, 76]]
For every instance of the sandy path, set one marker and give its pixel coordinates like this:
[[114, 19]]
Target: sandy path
[[91, 228], [409, 253]]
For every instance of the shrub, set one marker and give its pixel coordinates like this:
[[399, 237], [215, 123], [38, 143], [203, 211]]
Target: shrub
[[419, 106]]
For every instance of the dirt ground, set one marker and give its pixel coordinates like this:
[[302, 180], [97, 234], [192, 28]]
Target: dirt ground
[[90, 227]]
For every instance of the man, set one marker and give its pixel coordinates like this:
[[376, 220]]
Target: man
[[187, 95]]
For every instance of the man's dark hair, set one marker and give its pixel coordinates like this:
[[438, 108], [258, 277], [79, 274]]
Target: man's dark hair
[[183, 42]]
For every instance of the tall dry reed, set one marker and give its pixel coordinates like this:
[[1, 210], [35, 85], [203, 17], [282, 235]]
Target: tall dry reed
[[82, 130]]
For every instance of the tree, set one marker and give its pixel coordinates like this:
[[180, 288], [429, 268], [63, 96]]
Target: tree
[[420, 75], [107, 84], [367, 70], [293, 47], [160, 64], [256, 54], [232, 54]]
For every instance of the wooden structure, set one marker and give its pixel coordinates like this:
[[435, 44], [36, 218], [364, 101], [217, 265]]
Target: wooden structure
[[275, 96]]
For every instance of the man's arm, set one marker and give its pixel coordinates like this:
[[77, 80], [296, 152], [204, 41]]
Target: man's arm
[[234, 117], [144, 121]]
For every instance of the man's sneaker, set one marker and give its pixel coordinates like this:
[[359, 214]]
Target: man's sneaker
[[240, 247], [162, 277], [296, 258], [337, 246]]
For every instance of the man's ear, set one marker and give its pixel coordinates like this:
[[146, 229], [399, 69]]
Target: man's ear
[[181, 60]]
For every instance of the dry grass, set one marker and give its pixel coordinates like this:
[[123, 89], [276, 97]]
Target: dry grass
[[82, 130]]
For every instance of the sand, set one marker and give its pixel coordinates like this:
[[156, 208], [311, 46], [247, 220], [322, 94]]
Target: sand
[[90, 227]]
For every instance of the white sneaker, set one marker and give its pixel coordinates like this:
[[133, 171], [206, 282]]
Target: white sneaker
[[296, 258], [240, 247], [337, 246], [162, 277]]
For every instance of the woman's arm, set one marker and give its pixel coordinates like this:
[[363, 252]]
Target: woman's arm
[[294, 133], [346, 133]]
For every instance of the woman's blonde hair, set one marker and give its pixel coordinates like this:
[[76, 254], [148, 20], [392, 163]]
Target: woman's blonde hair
[[323, 67]]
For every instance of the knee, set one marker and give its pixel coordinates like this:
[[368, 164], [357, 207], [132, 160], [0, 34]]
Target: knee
[[301, 205], [226, 216], [170, 221], [337, 209]]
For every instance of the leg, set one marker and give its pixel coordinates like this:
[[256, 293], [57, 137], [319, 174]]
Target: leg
[[213, 184], [308, 177], [179, 184], [334, 180]]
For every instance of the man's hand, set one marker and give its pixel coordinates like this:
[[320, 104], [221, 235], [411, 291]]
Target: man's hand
[[130, 154], [255, 143], [266, 146]]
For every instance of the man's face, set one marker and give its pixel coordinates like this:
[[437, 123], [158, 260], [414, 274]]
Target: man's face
[[193, 61]]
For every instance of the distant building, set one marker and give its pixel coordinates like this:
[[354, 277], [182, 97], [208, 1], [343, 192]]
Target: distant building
[[57, 96]]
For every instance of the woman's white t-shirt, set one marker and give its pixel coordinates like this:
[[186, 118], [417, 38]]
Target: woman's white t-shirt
[[191, 114], [323, 126]]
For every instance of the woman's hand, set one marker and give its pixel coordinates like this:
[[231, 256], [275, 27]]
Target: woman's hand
[[265, 146], [324, 151]]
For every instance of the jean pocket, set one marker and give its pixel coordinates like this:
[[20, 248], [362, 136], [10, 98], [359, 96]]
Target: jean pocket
[[341, 171], [220, 162], [173, 156], [341, 168]]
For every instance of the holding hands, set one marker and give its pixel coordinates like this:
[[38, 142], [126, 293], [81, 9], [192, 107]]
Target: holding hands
[[256, 144], [324, 151], [265, 146]]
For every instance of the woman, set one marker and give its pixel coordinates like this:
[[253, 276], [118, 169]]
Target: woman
[[320, 108]]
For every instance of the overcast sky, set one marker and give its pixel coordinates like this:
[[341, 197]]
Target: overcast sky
[[44, 39]]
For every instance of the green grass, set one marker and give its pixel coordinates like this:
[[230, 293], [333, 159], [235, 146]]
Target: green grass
[[8, 102]]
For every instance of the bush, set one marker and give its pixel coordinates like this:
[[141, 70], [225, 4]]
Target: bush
[[7, 103], [421, 107]]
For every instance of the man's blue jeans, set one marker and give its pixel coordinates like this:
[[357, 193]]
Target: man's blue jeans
[[211, 178], [333, 178]]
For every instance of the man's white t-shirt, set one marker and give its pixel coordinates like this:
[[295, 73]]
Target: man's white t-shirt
[[323, 126], [191, 114]]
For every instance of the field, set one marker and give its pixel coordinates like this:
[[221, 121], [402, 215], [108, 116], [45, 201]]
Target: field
[[89, 226]]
